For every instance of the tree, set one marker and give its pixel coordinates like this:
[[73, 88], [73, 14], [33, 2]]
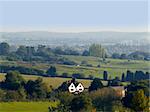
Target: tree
[[96, 84], [36, 89], [97, 51], [115, 56], [4, 48], [123, 56], [2, 94], [13, 81], [105, 75], [139, 75], [140, 101], [123, 77], [78, 75], [63, 87], [22, 51], [102, 98], [81, 103], [132, 91], [51, 71], [85, 53], [129, 76], [115, 82]]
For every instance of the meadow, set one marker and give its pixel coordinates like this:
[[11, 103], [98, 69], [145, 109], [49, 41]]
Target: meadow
[[26, 106], [54, 81], [114, 67]]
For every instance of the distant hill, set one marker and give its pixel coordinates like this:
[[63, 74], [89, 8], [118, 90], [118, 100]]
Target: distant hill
[[84, 38]]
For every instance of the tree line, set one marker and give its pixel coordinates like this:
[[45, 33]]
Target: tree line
[[97, 98], [52, 72]]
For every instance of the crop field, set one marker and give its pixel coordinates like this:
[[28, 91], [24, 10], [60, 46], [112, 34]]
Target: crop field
[[26, 106]]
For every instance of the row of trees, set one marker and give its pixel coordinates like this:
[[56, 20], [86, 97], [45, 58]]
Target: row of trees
[[16, 88], [44, 53], [52, 72], [105, 98], [97, 98], [130, 76], [133, 56]]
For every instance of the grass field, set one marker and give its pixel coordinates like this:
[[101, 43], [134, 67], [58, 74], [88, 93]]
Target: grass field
[[54, 82], [26, 106], [114, 67]]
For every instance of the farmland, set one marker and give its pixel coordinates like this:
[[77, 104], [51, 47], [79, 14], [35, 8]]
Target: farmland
[[114, 67], [54, 82]]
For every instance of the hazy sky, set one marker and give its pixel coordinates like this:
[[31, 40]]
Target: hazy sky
[[120, 15]]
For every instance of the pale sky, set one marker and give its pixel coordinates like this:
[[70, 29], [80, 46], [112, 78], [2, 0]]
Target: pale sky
[[74, 16]]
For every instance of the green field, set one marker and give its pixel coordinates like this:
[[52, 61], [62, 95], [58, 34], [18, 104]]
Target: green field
[[54, 82], [26, 106], [114, 67]]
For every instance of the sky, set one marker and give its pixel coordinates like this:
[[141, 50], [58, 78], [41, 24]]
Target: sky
[[74, 16]]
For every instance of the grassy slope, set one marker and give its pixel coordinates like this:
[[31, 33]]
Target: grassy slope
[[26, 106], [115, 67], [55, 82]]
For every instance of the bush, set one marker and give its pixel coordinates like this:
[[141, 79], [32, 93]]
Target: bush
[[96, 84], [98, 66], [84, 62], [89, 65], [65, 75], [51, 71], [103, 98], [78, 76], [81, 103]]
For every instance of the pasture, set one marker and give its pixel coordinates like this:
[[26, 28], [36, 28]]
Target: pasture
[[54, 82], [114, 67], [26, 106]]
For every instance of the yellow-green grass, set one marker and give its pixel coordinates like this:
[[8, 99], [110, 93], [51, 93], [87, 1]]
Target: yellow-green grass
[[53, 81], [120, 63], [26, 106], [114, 67]]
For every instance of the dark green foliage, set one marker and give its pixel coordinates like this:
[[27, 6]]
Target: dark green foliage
[[81, 103], [4, 48], [65, 75], [105, 75], [65, 97], [139, 75], [23, 70], [123, 56], [85, 53], [36, 89], [68, 62], [59, 108], [96, 84], [64, 86], [115, 82], [129, 76], [140, 102], [102, 99], [84, 62], [2, 95], [139, 55], [97, 51], [123, 77], [51, 71], [78, 75], [115, 56], [117, 106], [132, 91], [13, 81]]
